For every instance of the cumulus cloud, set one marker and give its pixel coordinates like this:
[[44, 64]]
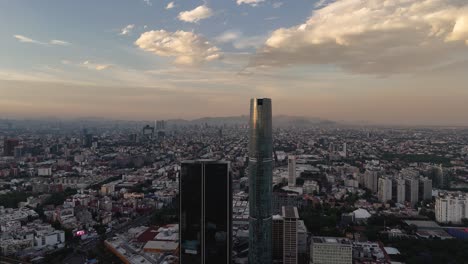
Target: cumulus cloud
[[96, 66], [148, 2], [239, 41], [127, 29], [374, 36], [170, 5], [249, 2], [195, 15], [188, 48]]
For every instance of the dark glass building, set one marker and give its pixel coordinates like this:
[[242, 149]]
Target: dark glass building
[[260, 181], [205, 212]]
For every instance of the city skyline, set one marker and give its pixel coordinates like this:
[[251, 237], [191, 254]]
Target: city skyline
[[403, 64]]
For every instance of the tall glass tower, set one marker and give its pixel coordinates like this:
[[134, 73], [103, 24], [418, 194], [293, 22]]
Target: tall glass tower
[[260, 181]]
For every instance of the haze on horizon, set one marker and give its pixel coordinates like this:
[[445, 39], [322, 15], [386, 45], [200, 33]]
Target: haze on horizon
[[393, 61]]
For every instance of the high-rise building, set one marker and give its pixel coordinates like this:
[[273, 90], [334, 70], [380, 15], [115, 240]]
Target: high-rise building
[[399, 190], [412, 190], [331, 250], [425, 188], [371, 179], [260, 181], [292, 171], [451, 208], [9, 146], [277, 237], [439, 177], [385, 189], [205, 212], [290, 216]]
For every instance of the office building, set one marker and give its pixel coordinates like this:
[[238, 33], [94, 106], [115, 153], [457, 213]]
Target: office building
[[292, 171], [331, 250], [291, 217], [277, 237], [260, 181], [286, 240], [451, 208], [205, 212], [385, 189]]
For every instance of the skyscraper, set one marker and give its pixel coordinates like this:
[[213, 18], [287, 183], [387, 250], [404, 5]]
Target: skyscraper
[[260, 181], [205, 212], [292, 171]]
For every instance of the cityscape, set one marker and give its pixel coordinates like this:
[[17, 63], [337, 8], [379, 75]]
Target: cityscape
[[234, 132], [232, 190]]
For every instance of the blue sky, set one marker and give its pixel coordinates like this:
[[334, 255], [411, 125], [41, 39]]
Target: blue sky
[[394, 61]]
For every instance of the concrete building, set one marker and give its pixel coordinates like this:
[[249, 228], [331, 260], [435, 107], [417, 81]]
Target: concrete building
[[385, 189], [399, 190], [290, 216], [331, 250], [371, 179], [451, 208], [412, 190], [292, 171]]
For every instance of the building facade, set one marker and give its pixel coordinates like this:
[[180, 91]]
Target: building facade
[[451, 208], [260, 181], [331, 250], [292, 171], [205, 212]]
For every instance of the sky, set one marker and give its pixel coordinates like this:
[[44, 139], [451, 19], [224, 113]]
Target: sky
[[378, 61]]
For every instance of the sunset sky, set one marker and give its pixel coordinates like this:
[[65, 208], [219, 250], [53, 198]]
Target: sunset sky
[[382, 61]]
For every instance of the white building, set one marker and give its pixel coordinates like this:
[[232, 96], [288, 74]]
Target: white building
[[385, 189], [331, 250], [54, 238], [451, 208], [44, 171], [292, 171]]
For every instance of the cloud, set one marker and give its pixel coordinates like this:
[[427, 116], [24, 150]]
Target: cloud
[[373, 37], [277, 4], [95, 66], [25, 39], [170, 5], [127, 29], [195, 15], [148, 2], [249, 2], [187, 47], [59, 42], [239, 41]]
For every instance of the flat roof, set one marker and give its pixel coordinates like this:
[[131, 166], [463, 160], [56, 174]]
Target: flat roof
[[290, 212], [331, 240], [161, 245]]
